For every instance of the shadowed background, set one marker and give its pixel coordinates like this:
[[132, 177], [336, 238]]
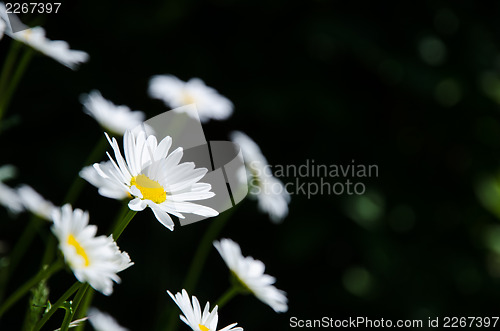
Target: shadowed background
[[412, 89]]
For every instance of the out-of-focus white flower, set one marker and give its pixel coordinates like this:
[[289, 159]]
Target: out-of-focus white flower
[[103, 322], [8, 196], [176, 93], [2, 28], [95, 260], [35, 203], [193, 316], [106, 187], [57, 49], [270, 192], [156, 179], [114, 118], [10, 200], [250, 273], [35, 37], [75, 323]]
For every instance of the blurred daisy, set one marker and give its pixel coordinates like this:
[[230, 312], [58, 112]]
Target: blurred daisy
[[250, 274], [95, 260], [10, 199], [103, 322], [35, 203], [269, 191], [193, 316], [176, 93], [75, 323], [35, 37], [114, 118], [107, 187], [155, 179], [2, 28]]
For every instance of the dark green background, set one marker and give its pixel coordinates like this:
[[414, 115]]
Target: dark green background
[[325, 80]]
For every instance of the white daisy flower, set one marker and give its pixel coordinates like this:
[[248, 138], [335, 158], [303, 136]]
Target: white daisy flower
[[176, 93], [35, 203], [269, 191], [103, 322], [95, 260], [35, 37], [156, 179], [195, 318], [107, 187], [250, 273], [114, 118]]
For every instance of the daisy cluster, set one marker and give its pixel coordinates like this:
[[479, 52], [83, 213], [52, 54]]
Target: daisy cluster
[[147, 173]]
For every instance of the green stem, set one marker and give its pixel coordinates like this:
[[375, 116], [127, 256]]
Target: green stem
[[8, 65], [123, 224], [74, 307], [228, 295], [57, 305], [19, 249], [43, 274], [199, 260], [21, 68]]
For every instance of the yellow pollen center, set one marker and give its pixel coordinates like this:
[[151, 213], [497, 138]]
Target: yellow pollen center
[[79, 249], [203, 327], [150, 189]]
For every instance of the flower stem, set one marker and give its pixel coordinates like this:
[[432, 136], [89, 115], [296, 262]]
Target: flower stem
[[203, 249], [43, 274], [76, 302], [57, 305], [19, 249], [18, 74], [85, 304], [123, 224], [78, 183], [228, 295]]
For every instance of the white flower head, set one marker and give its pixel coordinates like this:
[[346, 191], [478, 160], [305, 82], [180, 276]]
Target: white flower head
[[95, 260], [250, 273], [271, 194], [35, 38], [176, 93], [103, 322], [195, 318], [35, 203], [114, 118], [155, 178]]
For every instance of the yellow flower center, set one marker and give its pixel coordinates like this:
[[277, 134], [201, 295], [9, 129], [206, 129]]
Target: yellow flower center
[[203, 327], [79, 249], [150, 189]]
